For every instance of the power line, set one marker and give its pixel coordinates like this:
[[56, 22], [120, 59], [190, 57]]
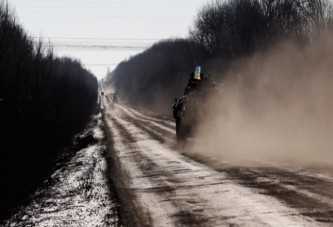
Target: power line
[[96, 46], [95, 38], [95, 43], [106, 64], [99, 47], [101, 64]]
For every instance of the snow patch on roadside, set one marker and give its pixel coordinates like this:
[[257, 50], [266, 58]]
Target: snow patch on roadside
[[97, 130], [78, 193]]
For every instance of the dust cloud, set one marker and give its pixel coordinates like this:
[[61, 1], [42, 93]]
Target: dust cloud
[[275, 107]]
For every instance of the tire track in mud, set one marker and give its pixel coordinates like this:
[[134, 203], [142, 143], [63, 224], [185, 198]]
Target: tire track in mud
[[130, 212], [154, 115], [190, 208], [157, 133], [185, 214], [164, 121], [287, 187], [311, 195]]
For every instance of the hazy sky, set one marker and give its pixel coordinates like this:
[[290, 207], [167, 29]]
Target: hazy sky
[[101, 33]]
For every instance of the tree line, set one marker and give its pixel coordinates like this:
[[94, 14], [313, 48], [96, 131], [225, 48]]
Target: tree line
[[44, 102], [158, 74], [222, 32]]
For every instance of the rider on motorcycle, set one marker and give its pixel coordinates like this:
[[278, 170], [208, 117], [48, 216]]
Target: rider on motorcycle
[[198, 81], [187, 109], [194, 81]]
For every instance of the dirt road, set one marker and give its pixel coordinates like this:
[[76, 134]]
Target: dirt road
[[162, 187]]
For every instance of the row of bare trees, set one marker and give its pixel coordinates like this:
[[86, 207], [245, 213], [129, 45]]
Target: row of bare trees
[[44, 101], [233, 28], [223, 32]]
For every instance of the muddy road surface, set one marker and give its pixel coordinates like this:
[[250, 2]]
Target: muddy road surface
[[160, 186]]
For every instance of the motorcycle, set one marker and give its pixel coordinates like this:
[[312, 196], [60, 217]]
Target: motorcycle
[[188, 110], [185, 113]]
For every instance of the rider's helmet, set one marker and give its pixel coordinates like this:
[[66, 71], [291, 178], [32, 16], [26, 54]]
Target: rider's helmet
[[197, 73]]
